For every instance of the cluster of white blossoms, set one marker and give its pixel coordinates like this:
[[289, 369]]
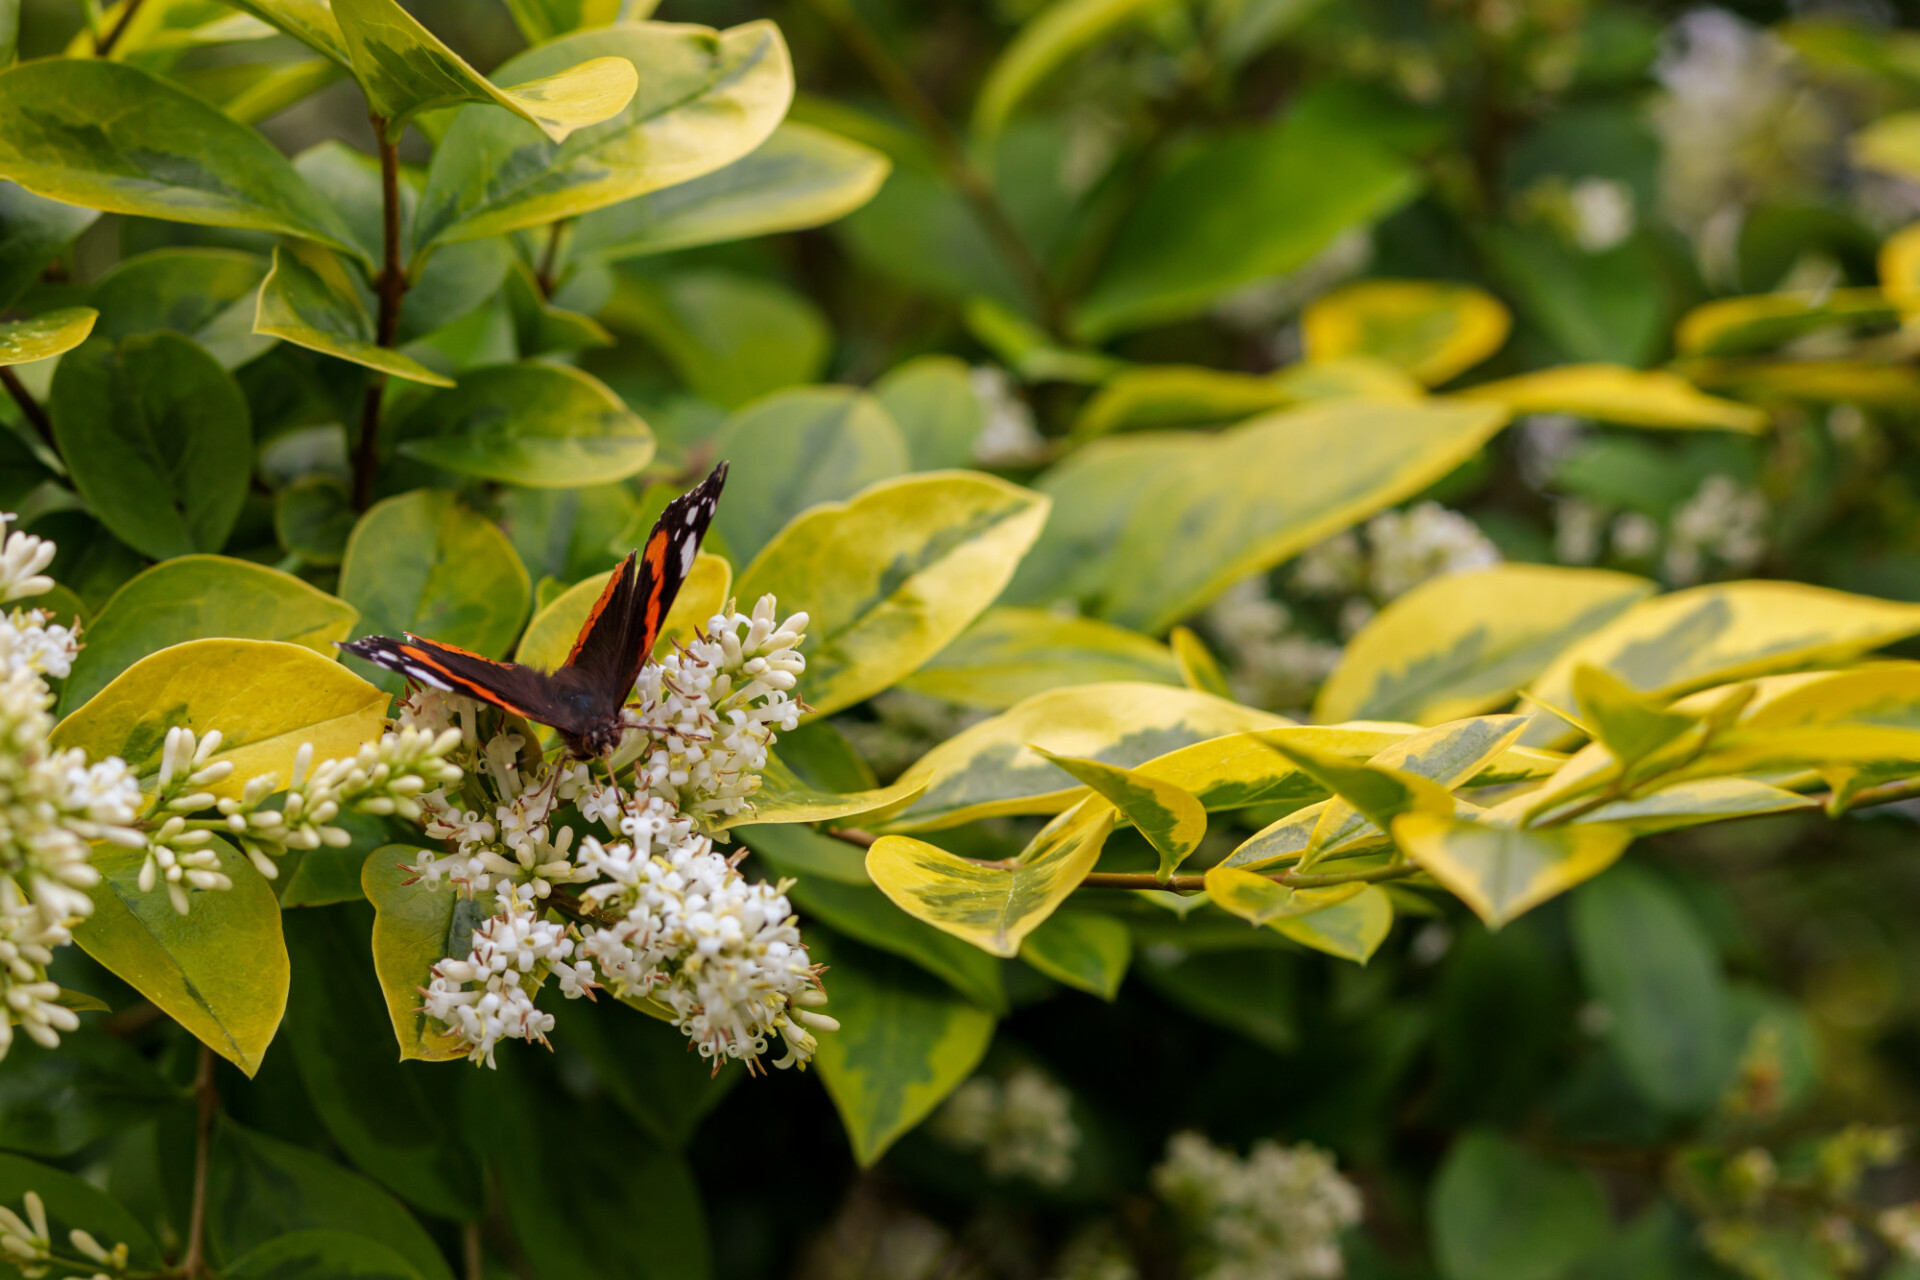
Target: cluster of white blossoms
[[1021, 1128], [1402, 549], [651, 910], [1275, 1215], [27, 1244]]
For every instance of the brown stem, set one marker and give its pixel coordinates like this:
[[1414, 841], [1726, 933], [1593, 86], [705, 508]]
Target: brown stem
[[898, 83], [391, 288], [544, 274], [29, 406], [475, 1263], [193, 1265], [853, 835], [103, 47]]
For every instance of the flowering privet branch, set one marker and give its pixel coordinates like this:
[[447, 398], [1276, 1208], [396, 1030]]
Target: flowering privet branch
[[27, 1244]]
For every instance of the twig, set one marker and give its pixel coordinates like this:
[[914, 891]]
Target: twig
[[101, 48], [543, 275], [193, 1265], [470, 1251], [898, 83], [853, 836], [391, 288], [30, 407]]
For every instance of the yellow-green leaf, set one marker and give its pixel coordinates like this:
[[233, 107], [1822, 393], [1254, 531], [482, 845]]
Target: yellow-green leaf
[[1261, 901], [1175, 395], [1626, 722], [1687, 804], [550, 636], [309, 21], [412, 925], [1087, 950], [1866, 717], [784, 797], [405, 69], [1890, 144], [1054, 35], [1349, 930], [1009, 654], [1900, 269], [993, 905], [1761, 322], [1464, 643], [1616, 393], [1434, 331], [46, 335], [990, 768], [198, 598], [221, 971], [312, 300], [266, 698], [536, 425], [1501, 872], [1199, 669], [1170, 818], [892, 575]]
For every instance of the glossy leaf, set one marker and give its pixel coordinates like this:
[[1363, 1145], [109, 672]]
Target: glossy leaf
[[1747, 326], [405, 69], [158, 439], [1171, 395], [46, 335], [540, 20], [33, 231], [932, 401], [1057, 33], [993, 905], [1395, 781], [1260, 901], [1199, 669], [708, 99], [206, 294], [550, 636], [894, 574], [313, 517], [1502, 872], [731, 337], [1352, 929], [265, 697], [221, 972], [905, 1042], [57, 1102], [1085, 950], [1615, 393], [311, 22], [312, 300], [1501, 1213], [541, 426], [799, 177], [1434, 331], [111, 137], [302, 1254], [424, 563], [784, 797], [197, 598], [71, 1201], [412, 927], [1167, 816], [1009, 654], [1464, 643], [1629, 724]]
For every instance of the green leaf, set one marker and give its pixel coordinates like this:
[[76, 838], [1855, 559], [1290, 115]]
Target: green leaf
[[539, 327], [110, 137], [1434, 331], [894, 574], [1009, 655], [311, 22], [1261, 901], [541, 20], [405, 69], [312, 300], [56, 1102], [933, 403], [905, 1042], [1166, 815], [799, 177], [993, 905], [313, 517], [254, 91], [196, 598], [1463, 643], [1502, 872], [708, 99], [1199, 669], [1252, 993], [33, 231], [795, 450], [1502, 1213], [1651, 965], [45, 336], [1149, 529], [1173, 395], [732, 338], [388, 1118], [783, 797], [542, 426], [220, 972], [1626, 722], [1055, 35], [1611, 307], [1351, 929], [73, 1202], [206, 294], [266, 698], [644, 1066], [260, 1189], [1751, 325], [1082, 949], [551, 634], [158, 438], [1205, 225], [300, 1255], [423, 563], [411, 927], [862, 912]]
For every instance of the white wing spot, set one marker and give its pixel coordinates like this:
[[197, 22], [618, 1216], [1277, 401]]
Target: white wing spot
[[693, 513], [687, 547], [424, 676]]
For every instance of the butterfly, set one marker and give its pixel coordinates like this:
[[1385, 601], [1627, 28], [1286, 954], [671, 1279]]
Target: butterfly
[[584, 697]]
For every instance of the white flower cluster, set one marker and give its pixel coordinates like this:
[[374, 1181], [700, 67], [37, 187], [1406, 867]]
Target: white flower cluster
[[1271, 663], [27, 1243], [1275, 1215], [1021, 1128], [1722, 526], [1007, 435], [1403, 549], [655, 911]]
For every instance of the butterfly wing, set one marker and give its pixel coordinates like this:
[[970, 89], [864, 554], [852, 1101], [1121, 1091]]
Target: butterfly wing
[[519, 690], [621, 631]]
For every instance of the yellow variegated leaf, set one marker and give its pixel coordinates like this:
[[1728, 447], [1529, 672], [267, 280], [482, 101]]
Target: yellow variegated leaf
[[1179, 395], [1501, 872], [1350, 930], [312, 300], [1865, 717], [1434, 331], [1199, 669], [1630, 724], [1170, 818], [1260, 901], [45, 335], [1616, 393], [414, 928], [784, 797], [1464, 643], [1900, 269], [1685, 804], [1890, 144], [1728, 631], [990, 768], [1867, 383], [266, 697], [550, 636], [1010, 654], [1761, 322], [993, 905]]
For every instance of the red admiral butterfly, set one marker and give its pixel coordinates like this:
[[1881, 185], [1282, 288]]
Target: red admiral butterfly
[[583, 698]]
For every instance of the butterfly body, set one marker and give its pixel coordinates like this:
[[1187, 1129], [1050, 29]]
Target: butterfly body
[[584, 699]]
